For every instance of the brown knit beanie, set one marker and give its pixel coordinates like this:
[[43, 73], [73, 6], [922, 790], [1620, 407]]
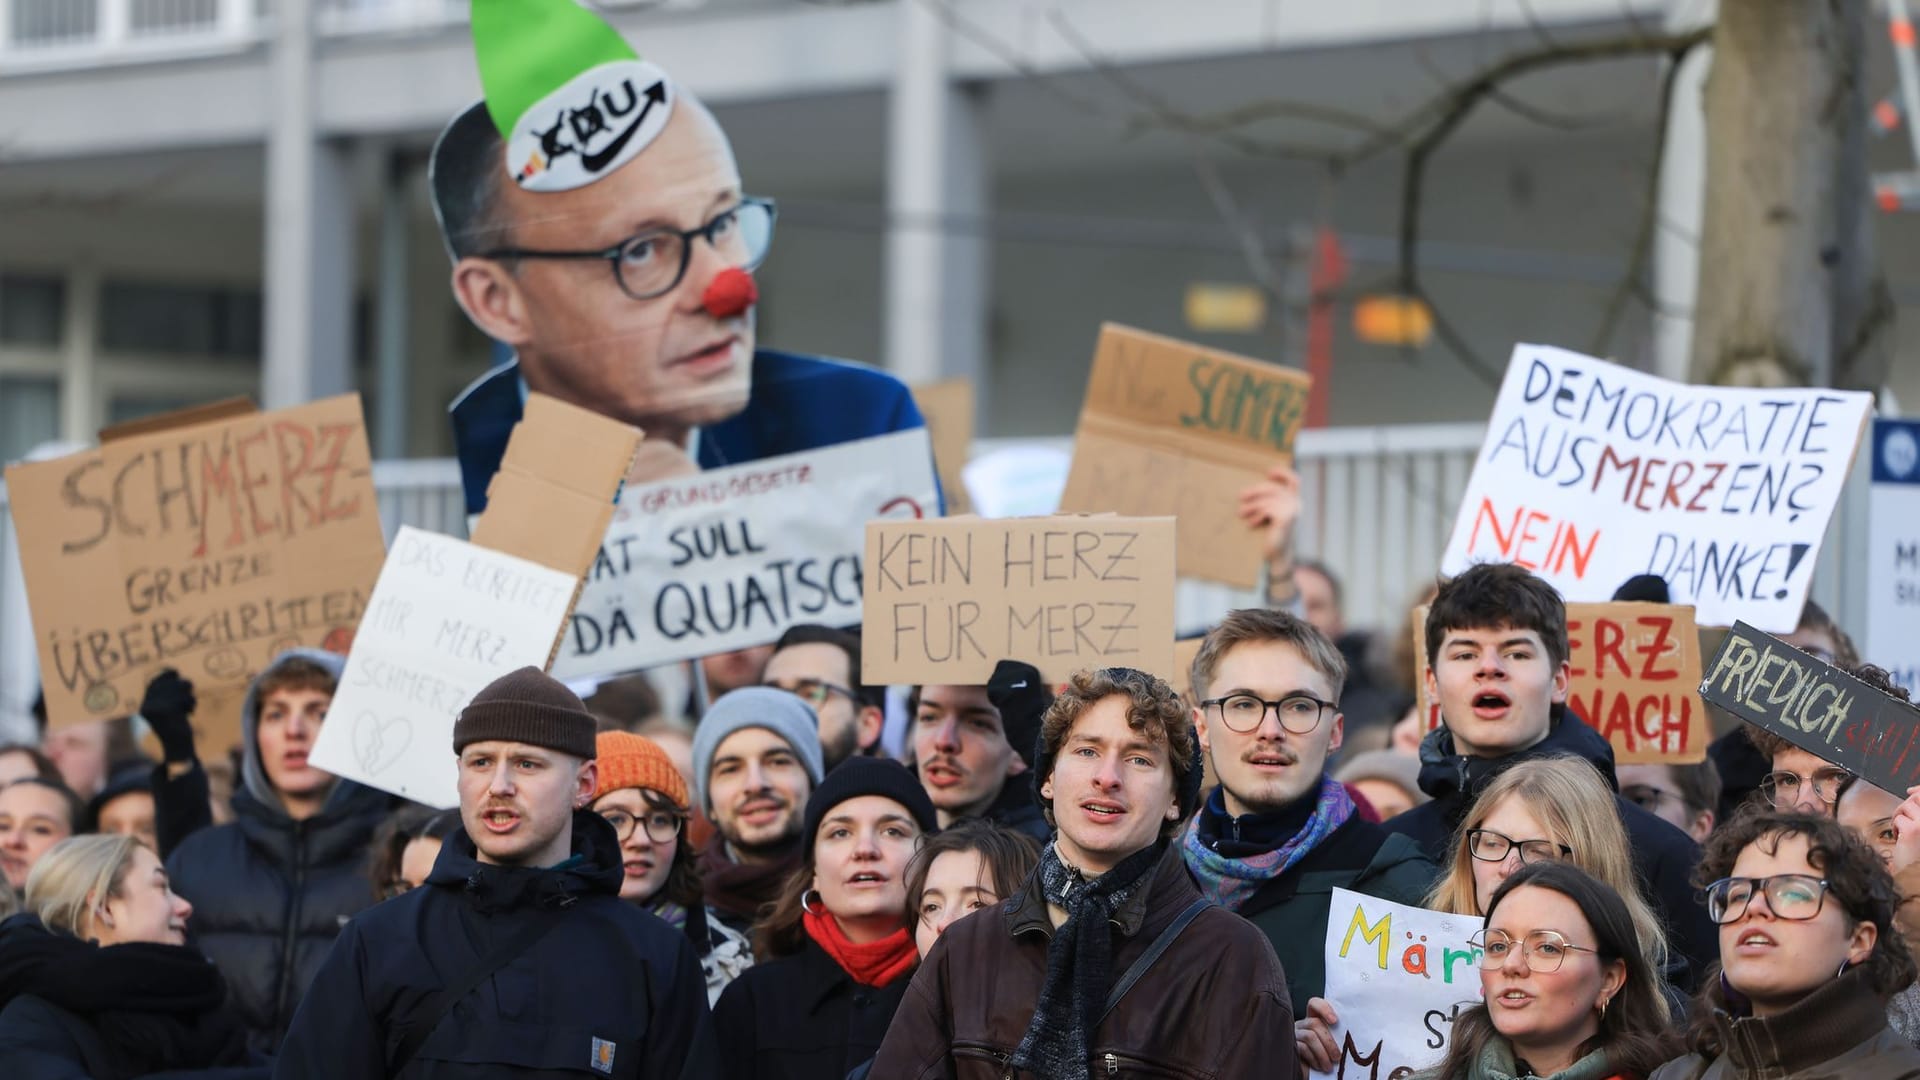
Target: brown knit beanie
[[527, 706], [635, 761]]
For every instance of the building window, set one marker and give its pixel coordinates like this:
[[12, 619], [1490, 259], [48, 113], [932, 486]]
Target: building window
[[29, 413], [213, 322], [31, 310]]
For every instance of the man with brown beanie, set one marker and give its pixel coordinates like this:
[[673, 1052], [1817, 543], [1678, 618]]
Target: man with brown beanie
[[517, 957], [1108, 961]]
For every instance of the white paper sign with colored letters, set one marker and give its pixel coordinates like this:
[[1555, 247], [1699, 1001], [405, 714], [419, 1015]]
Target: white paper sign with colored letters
[[730, 558], [1397, 976], [446, 618], [1592, 473]]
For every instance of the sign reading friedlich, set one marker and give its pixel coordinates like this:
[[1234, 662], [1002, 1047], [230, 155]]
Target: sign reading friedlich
[[948, 599], [1817, 707], [730, 558], [1592, 473], [1174, 428], [208, 542], [1397, 976]]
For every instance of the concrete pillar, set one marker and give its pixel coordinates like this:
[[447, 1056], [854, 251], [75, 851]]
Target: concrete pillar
[[309, 231], [938, 193], [1676, 237], [391, 309]]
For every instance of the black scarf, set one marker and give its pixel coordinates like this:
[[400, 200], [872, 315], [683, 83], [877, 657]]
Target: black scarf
[[1079, 961], [155, 1007]]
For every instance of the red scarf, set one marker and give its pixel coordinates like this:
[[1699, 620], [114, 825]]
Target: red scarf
[[874, 964]]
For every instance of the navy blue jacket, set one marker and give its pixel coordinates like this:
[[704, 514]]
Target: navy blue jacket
[[797, 403], [802, 1017], [609, 985], [1664, 856]]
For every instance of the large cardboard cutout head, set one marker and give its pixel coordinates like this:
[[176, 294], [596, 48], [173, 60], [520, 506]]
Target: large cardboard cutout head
[[594, 212]]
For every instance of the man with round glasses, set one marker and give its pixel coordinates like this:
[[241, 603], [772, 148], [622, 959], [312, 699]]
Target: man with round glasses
[[599, 228], [1278, 835]]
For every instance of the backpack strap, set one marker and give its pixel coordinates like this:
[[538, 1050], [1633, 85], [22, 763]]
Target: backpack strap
[[1146, 959], [433, 1009]]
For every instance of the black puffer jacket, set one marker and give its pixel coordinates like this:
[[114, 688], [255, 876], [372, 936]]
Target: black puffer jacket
[[608, 990], [71, 1010], [802, 1017], [1663, 856]]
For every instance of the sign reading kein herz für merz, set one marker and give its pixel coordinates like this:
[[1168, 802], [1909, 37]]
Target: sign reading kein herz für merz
[[1816, 706]]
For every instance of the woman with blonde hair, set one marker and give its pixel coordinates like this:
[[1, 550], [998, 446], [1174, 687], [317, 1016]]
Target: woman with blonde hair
[[1555, 808], [96, 978]]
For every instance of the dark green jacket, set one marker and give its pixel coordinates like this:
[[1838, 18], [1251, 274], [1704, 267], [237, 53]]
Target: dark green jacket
[[1292, 908]]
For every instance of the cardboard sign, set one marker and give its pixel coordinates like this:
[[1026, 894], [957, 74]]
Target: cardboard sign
[[1397, 976], [209, 541], [948, 599], [1893, 552], [730, 558], [1592, 473], [1815, 706], [1635, 670], [948, 408], [1179, 429], [446, 618]]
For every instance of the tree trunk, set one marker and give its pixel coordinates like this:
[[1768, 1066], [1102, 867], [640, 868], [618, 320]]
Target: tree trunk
[[1765, 309], [1863, 305]]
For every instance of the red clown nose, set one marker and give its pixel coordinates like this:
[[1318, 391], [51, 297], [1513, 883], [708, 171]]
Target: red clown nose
[[731, 293]]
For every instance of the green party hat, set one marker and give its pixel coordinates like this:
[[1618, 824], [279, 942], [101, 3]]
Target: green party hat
[[571, 98]]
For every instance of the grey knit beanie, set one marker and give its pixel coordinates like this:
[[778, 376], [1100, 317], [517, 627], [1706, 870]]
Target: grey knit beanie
[[778, 711]]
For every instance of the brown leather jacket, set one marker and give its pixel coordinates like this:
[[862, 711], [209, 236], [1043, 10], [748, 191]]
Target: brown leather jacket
[[1213, 1006]]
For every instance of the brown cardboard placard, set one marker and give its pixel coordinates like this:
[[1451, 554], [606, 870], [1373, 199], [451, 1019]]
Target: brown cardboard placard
[[948, 408], [553, 497], [946, 599], [1174, 428], [207, 546], [1635, 679]]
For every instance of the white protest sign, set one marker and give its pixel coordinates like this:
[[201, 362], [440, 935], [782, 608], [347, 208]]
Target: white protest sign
[[1893, 557], [1397, 976], [446, 618], [730, 558], [1592, 473]]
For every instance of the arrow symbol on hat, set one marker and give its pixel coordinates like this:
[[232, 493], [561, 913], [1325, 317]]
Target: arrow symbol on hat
[[594, 162]]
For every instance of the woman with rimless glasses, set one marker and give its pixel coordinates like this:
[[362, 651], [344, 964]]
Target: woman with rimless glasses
[[644, 798], [1555, 809], [1808, 957], [1567, 990]]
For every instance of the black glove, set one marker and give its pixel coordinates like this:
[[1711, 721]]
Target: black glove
[[168, 708], [1022, 697]]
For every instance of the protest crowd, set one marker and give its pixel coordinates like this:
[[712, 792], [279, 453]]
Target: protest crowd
[[479, 827]]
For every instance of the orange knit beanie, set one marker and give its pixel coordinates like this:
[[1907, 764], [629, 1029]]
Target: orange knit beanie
[[635, 761]]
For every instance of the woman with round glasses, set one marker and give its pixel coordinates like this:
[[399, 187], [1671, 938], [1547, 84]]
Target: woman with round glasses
[[644, 798], [1808, 957], [1555, 809], [1567, 993]]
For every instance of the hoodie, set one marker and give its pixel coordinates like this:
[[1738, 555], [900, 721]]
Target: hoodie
[[269, 893], [1662, 854]]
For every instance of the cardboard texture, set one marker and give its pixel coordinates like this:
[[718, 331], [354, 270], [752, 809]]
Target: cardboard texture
[[948, 408], [1816, 706], [206, 546], [1635, 670], [1592, 473], [946, 600], [1179, 429], [552, 499], [731, 558]]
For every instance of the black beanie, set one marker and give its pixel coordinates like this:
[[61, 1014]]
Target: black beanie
[[1022, 697], [859, 776], [527, 706], [1647, 588]]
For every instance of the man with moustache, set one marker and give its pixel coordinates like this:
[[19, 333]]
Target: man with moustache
[[756, 759], [598, 227], [1278, 834], [517, 957], [971, 743]]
